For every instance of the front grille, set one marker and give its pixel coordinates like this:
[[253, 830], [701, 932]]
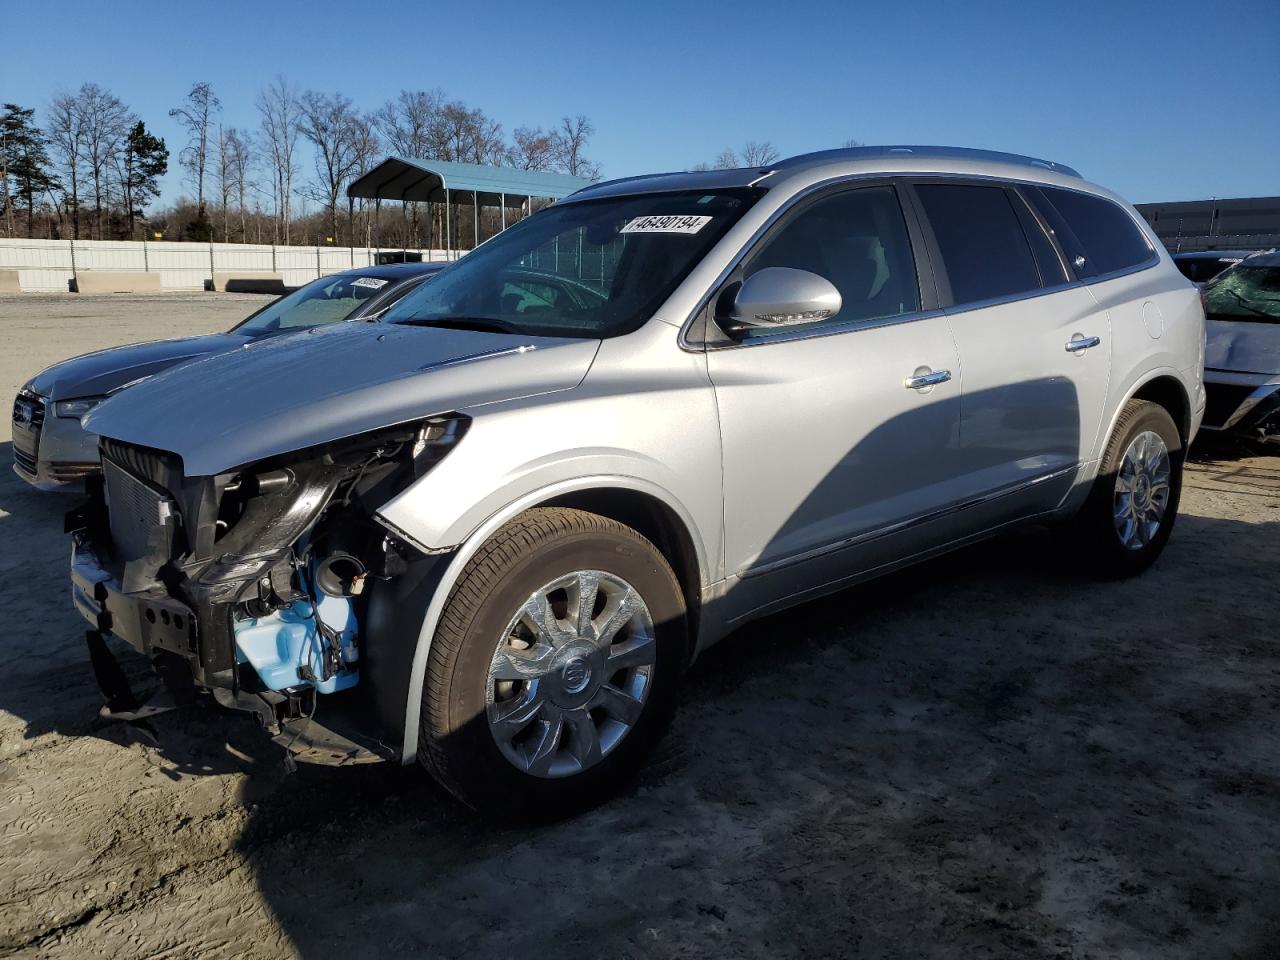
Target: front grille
[[28, 422], [140, 516], [1222, 400]]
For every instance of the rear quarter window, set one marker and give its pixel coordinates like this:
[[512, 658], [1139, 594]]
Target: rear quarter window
[[1108, 237]]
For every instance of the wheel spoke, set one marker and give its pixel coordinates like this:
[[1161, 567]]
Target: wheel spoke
[[509, 718], [510, 663], [639, 651], [584, 740], [617, 704], [543, 750], [541, 619], [582, 603], [617, 615]]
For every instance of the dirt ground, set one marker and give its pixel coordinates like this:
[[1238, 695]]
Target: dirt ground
[[987, 756]]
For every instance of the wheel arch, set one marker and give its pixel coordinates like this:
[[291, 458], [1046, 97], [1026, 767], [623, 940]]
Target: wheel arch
[[1167, 391], [653, 512]]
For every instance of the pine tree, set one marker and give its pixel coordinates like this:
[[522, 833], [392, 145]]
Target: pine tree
[[146, 159], [24, 162]]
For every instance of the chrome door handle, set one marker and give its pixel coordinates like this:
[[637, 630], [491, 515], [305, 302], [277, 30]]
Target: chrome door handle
[[927, 379], [1078, 343]]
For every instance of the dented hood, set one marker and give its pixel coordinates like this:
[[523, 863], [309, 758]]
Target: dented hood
[[285, 393], [1242, 346]]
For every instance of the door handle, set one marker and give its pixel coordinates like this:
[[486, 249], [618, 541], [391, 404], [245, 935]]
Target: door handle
[[919, 380], [1078, 343]]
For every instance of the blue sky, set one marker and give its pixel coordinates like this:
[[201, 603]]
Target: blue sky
[[1159, 101]]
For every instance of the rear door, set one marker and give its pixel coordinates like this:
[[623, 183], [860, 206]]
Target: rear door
[[1034, 347]]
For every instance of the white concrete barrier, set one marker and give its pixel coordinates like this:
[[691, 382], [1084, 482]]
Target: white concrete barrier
[[116, 281]]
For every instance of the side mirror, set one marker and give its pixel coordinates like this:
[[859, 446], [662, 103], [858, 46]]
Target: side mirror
[[782, 296]]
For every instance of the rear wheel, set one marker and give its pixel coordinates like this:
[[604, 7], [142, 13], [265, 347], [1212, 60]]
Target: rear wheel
[[554, 668], [1129, 515]]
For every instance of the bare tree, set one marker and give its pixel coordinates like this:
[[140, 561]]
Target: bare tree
[[196, 116], [66, 135], [106, 122], [278, 108], [407, 122], [533, 149], [756, 154], [334, 130], [726, 161], [238, 155], [851, 142], [570, 145]]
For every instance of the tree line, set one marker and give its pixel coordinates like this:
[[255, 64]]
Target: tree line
[[89, 168]]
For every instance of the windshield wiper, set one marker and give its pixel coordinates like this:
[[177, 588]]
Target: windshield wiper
[[486, 324]]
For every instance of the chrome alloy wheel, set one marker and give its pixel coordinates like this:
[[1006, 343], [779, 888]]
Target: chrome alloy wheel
[[570, 674], [1142, 490]]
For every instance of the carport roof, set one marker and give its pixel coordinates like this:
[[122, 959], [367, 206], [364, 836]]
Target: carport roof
[[397, 178]]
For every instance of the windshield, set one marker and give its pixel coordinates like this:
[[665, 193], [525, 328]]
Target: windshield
[[322, 301], [1245, 293], [596, 268]]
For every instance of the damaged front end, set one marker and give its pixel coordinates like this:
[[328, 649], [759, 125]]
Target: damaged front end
[[259, 579]]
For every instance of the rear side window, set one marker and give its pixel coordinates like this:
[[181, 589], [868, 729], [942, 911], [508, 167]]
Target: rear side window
[[1109, 238], [984, 250]]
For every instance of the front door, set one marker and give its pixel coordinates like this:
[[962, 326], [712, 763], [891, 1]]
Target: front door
[[834, 456]]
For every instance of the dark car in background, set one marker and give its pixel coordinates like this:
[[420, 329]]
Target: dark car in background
[[52, 450], [1242, 353], [1203, 265]]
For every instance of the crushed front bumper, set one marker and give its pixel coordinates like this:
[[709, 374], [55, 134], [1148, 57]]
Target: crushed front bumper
[[149, 622], [1244, 404]]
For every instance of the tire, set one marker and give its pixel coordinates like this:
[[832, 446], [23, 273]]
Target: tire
[[1098, 536], [458, 743]]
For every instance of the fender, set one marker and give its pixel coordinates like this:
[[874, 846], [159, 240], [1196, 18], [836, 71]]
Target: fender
[[477, 537]]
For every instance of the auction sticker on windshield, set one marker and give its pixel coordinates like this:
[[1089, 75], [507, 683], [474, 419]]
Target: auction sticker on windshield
[[671, 224], [373, 282]]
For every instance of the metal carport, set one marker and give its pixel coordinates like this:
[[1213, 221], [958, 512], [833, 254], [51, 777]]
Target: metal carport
[[447, 182]]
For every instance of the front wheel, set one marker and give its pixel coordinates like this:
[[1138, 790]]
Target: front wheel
[[1127, 520], [554, 667]]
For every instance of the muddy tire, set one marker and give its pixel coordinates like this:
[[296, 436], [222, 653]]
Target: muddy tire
[[1127, 520], [554, 668]]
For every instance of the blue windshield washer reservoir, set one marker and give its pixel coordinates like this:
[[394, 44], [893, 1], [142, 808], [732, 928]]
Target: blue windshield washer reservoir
[[278, 645]]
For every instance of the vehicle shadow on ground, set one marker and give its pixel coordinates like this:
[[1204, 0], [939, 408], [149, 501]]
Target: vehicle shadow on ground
[[986, 754]]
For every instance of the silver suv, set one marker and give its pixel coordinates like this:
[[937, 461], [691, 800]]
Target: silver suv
[[492, 535]]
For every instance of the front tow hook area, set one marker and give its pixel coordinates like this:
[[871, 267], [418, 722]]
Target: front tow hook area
[[122, 704]]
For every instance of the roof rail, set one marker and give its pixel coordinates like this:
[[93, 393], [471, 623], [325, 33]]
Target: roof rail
[[958, 153]]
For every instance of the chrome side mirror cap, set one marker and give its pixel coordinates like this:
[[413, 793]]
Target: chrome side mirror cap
[[783, 296]]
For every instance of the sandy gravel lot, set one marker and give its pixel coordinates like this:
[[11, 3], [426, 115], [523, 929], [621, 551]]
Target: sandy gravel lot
[[987, 756]]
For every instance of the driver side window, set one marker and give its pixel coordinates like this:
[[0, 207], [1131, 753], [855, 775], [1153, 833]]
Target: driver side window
[[857, 240]]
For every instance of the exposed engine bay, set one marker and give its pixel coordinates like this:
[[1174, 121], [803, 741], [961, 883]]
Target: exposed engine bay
[[260, 580]]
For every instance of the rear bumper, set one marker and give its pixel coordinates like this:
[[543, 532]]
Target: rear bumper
[[149, 622]]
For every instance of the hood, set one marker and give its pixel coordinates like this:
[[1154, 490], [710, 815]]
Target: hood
[[1242, 346], [284, 393], [98, 373]]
